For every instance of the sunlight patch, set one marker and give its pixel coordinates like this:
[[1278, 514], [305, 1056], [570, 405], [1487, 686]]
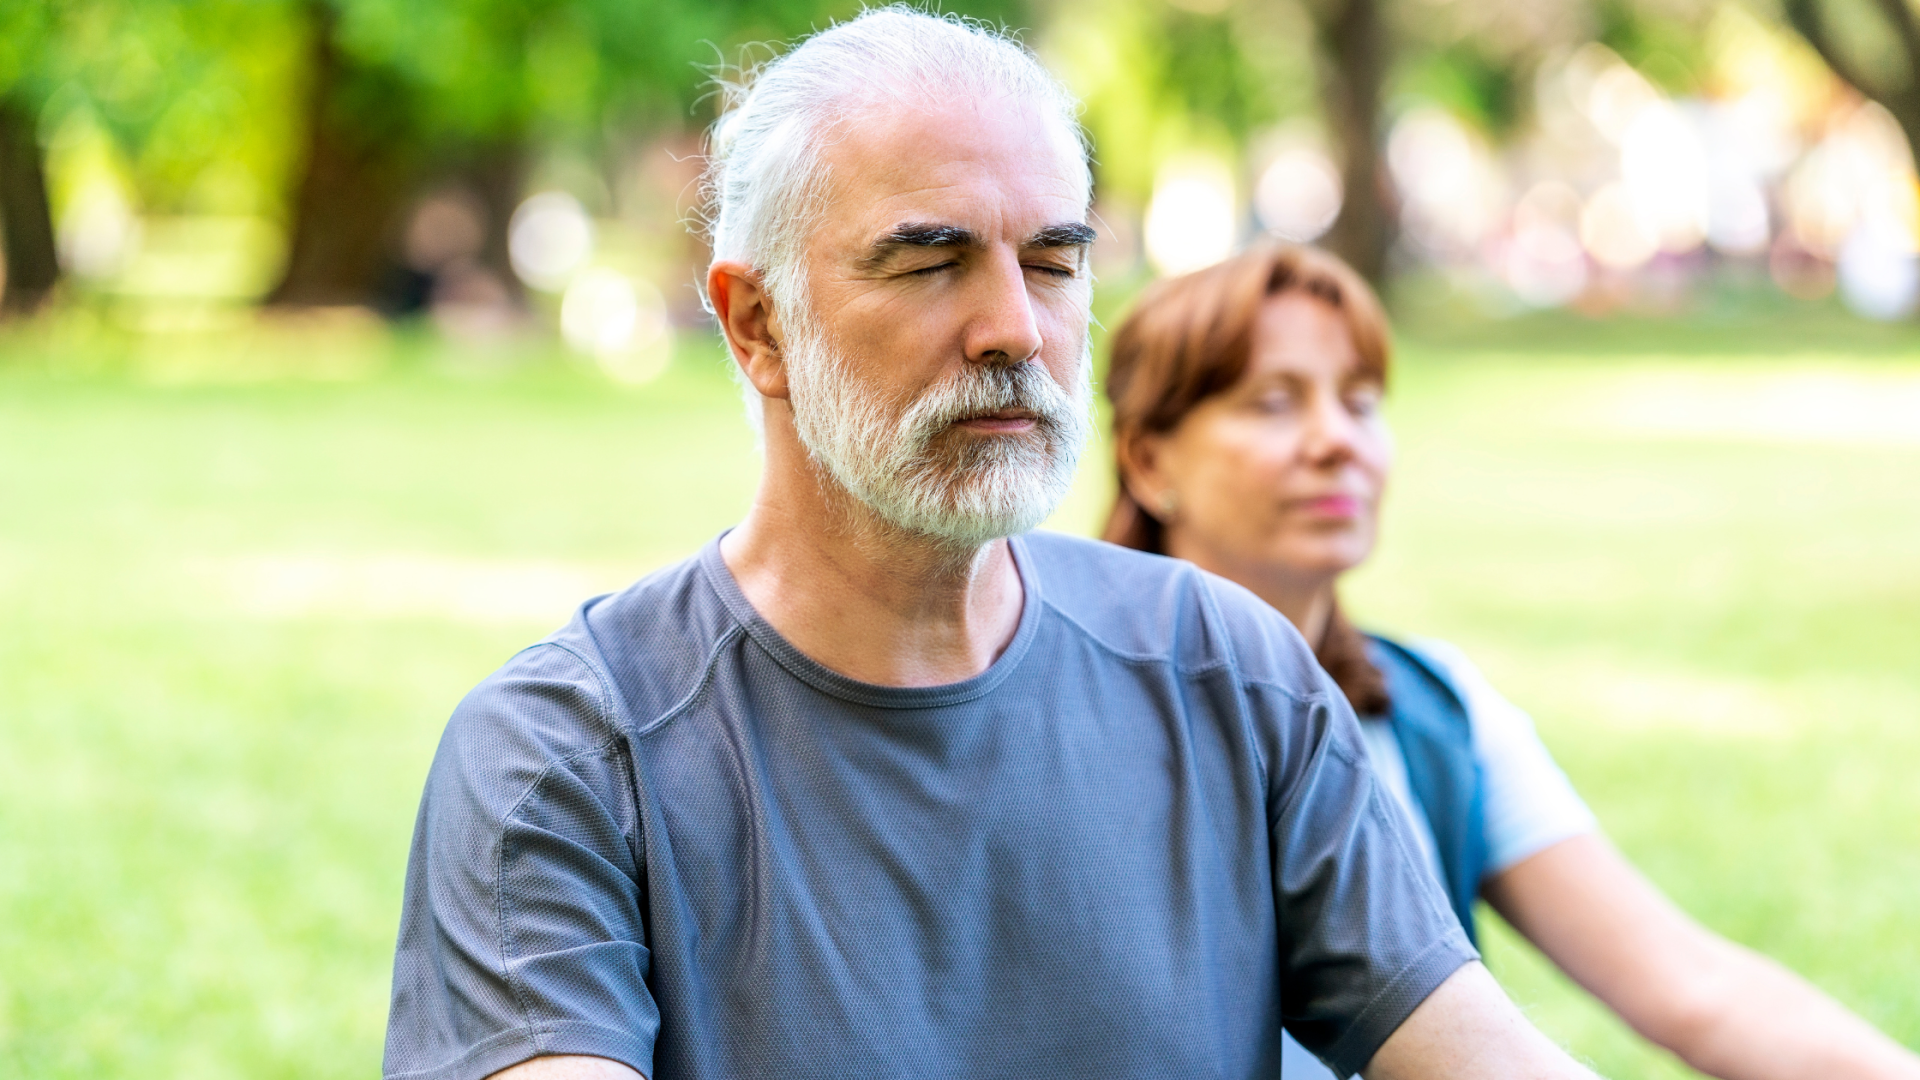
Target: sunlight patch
[[406, 586], [1833, 407], [1631, 700]]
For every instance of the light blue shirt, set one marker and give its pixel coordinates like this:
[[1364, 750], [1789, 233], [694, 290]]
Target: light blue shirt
[[1529, 806]]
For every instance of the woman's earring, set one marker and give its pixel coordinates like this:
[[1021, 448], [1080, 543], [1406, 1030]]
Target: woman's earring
[[1167, 503]]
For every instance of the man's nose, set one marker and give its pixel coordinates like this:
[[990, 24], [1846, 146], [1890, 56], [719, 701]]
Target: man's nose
[[1003, 329]]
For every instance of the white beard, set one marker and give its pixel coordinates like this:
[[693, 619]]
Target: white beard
[[922, 478]]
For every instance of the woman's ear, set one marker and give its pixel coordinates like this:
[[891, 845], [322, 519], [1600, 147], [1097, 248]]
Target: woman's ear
[[1142, 471], [744, 310]]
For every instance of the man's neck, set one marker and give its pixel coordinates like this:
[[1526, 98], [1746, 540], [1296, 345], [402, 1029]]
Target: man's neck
[[865, 599]]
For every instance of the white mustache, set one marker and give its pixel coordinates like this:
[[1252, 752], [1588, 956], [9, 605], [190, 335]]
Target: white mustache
[[886, 450], [978, 390]]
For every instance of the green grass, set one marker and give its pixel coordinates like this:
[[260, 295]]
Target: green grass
[[1713, 619], [233, 618]]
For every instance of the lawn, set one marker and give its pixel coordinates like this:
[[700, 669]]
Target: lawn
[[234, 616]]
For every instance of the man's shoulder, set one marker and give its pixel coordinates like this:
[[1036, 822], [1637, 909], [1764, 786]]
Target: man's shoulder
[[1155, 607], [1135, 604], [654, 640], [622, 659]]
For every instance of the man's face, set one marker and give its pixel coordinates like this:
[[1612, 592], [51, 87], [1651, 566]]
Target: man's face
[[939, 371]]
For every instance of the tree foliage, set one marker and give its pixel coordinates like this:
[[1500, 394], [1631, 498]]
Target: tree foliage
[[332, 113], [1159, 80], [403, 86], [1872, 45]]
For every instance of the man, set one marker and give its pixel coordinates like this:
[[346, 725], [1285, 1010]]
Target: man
[[869, 789]]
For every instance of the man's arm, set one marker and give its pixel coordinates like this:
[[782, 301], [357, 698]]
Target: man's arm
[[524, 860], [1468, 1029], [568, 1067], [1718, 1006]]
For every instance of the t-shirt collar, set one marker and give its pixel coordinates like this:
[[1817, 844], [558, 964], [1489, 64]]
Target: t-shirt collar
[[828, 681]]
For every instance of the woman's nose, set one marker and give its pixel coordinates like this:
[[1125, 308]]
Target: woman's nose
[[1329, 429]]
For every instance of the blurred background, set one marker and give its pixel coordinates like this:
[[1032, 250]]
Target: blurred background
[[345, 345]]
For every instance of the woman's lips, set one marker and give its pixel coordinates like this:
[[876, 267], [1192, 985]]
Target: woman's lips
[[1330, 506]]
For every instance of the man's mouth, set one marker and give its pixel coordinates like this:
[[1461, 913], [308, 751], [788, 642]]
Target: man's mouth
[[999, 420]]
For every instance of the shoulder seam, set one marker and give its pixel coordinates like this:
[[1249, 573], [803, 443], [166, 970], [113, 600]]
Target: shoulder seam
[[1118, 653], [725, 640], [1216, 625], [605, 715], [1311, 697], [1328, 745], [500, 870], [600, 678]]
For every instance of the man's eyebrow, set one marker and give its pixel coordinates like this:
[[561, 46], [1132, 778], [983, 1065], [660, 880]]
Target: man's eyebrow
[[1066, 234], [919, 234]]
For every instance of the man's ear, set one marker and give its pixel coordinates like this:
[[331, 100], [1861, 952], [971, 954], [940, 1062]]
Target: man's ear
[[754, 336]]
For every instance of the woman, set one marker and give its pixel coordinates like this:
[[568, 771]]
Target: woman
[[1249, 440]]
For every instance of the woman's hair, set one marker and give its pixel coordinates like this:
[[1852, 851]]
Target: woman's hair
[[1191, 337]]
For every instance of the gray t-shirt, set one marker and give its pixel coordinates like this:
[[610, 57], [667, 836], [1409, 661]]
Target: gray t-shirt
[[1134, 846]]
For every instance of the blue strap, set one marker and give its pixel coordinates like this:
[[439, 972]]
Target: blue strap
[[1436, 736]]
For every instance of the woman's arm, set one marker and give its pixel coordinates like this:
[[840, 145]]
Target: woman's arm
[[1725, 1010]]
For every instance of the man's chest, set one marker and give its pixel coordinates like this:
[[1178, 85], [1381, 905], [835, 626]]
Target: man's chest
[[954, 869]]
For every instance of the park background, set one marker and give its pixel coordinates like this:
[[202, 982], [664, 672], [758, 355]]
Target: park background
[[348, 344]]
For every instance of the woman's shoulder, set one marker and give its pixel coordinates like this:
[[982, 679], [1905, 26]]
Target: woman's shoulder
[[1442, 659], [1529, 802], [1485, 706]]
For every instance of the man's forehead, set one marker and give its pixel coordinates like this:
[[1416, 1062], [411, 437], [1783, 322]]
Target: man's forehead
[[983, 170]]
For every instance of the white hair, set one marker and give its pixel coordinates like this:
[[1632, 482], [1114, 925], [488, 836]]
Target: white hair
[[766, 176]]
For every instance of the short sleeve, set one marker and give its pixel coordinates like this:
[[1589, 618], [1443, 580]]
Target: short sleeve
[[1366, 928], [520, 932], [1530, 805]]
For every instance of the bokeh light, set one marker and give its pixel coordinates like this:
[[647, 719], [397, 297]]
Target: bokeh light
[[445, 229], [620, 321], [1298, 196], [1737, 219], [1193, 220], [1821, 201], [549, 239], [1613, 230], [1664, 168], [1545, 265], [1879, 273], [99, 233], [1451, 192], [1612, 94]]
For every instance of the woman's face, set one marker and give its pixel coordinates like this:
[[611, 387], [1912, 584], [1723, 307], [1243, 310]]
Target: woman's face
[[1277, 480]]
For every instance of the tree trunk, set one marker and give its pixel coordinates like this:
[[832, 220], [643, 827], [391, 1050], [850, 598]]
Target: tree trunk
[[1902, 100], [357, 176], [33, 266], [1353, 57], [496, 174]]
